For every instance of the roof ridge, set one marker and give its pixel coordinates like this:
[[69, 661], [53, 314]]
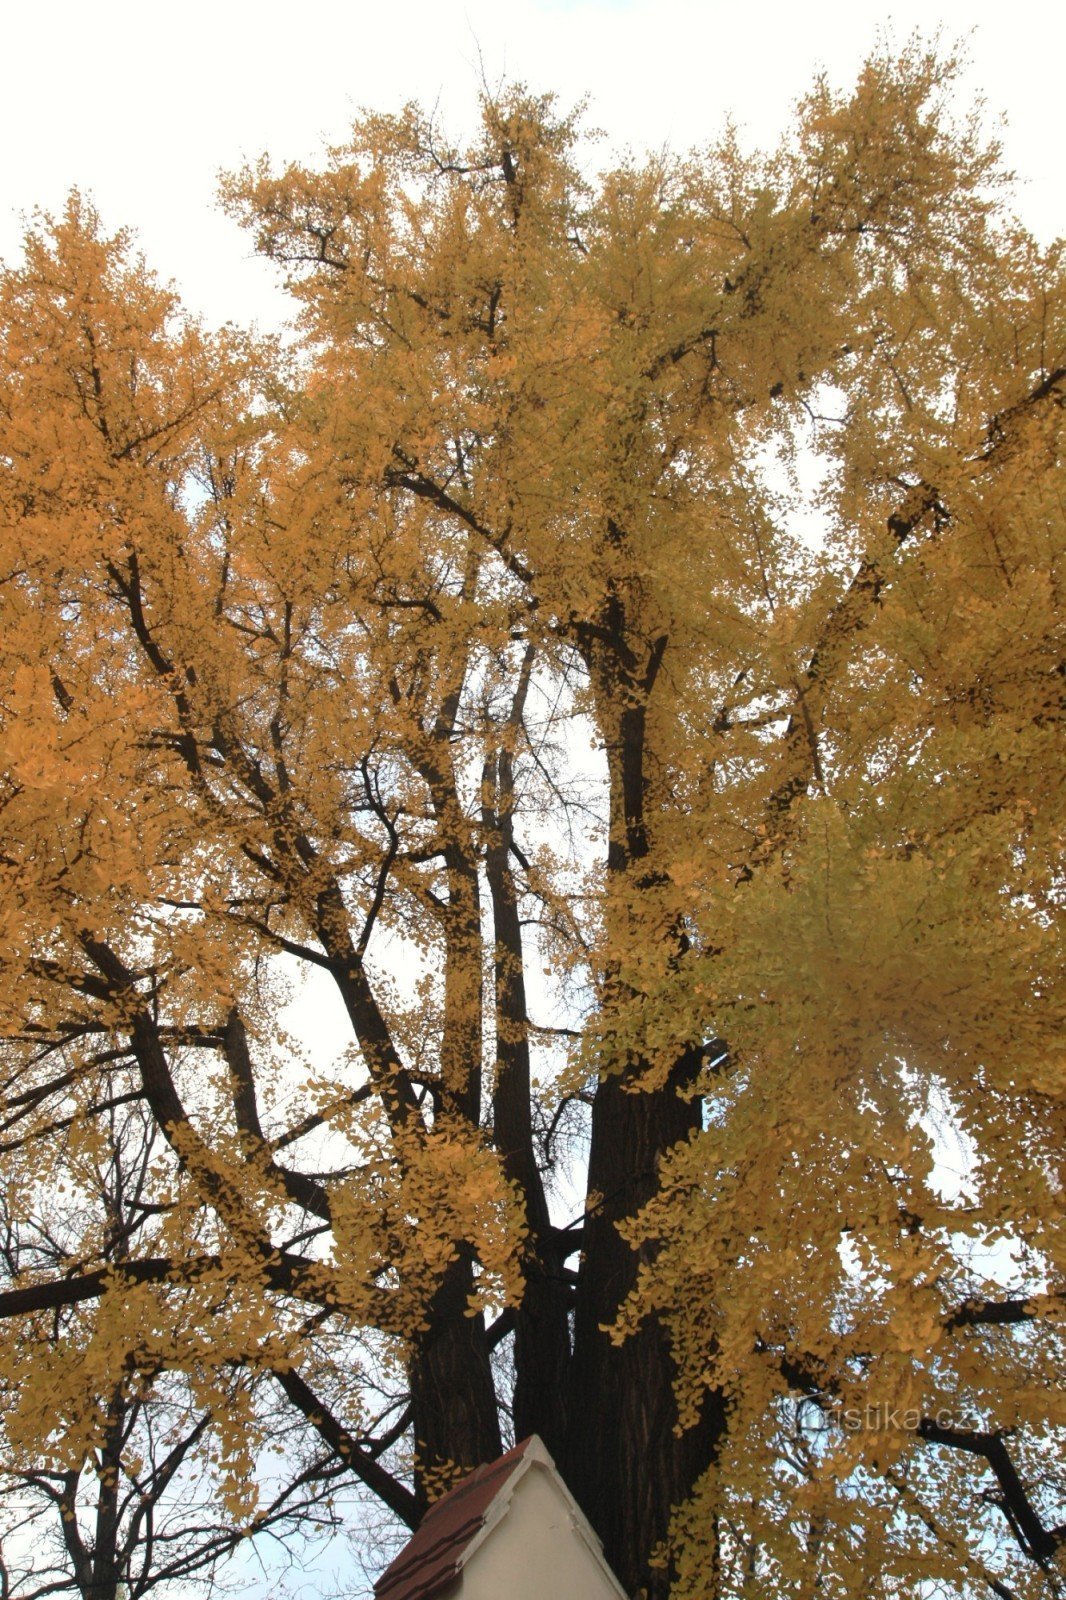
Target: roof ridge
[[433, 1558]]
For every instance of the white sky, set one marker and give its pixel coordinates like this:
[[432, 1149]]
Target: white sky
[[143, 104]]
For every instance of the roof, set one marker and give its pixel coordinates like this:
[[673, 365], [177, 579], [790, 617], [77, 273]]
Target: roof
[[432, 1561]]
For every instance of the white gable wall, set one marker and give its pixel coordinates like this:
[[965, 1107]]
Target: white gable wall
[[537, 1551]]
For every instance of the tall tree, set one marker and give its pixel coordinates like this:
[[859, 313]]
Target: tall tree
[[302, 664]]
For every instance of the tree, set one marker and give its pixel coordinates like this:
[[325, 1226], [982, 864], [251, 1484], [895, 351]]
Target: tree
[[303, 659], [141, 1510]]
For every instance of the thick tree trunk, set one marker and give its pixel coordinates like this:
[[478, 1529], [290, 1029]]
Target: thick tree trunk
[[453, 1396], [606, 1411], [623, 1460], [453, 1401]]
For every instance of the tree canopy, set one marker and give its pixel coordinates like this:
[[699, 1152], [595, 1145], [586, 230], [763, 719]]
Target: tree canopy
[[616, 650]]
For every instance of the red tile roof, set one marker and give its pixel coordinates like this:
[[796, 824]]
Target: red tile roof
[[431, 1562]]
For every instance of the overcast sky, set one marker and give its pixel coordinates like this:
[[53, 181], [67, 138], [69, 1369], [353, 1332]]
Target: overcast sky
[[143, 104]]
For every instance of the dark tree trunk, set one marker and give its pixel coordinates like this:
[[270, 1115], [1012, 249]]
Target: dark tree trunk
[[606, 1411], [624, 1460], [453, 1396], [453, 1401], [106, 1573]]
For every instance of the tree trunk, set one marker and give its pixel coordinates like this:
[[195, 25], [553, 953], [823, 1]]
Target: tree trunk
[[624, 1461], [541, 1321], [453, 1400]]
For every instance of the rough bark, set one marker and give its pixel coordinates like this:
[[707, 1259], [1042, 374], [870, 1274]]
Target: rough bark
[[453, 1401], [624, 1459]]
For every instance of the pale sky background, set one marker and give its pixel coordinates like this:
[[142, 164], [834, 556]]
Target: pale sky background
[[143, 104]]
